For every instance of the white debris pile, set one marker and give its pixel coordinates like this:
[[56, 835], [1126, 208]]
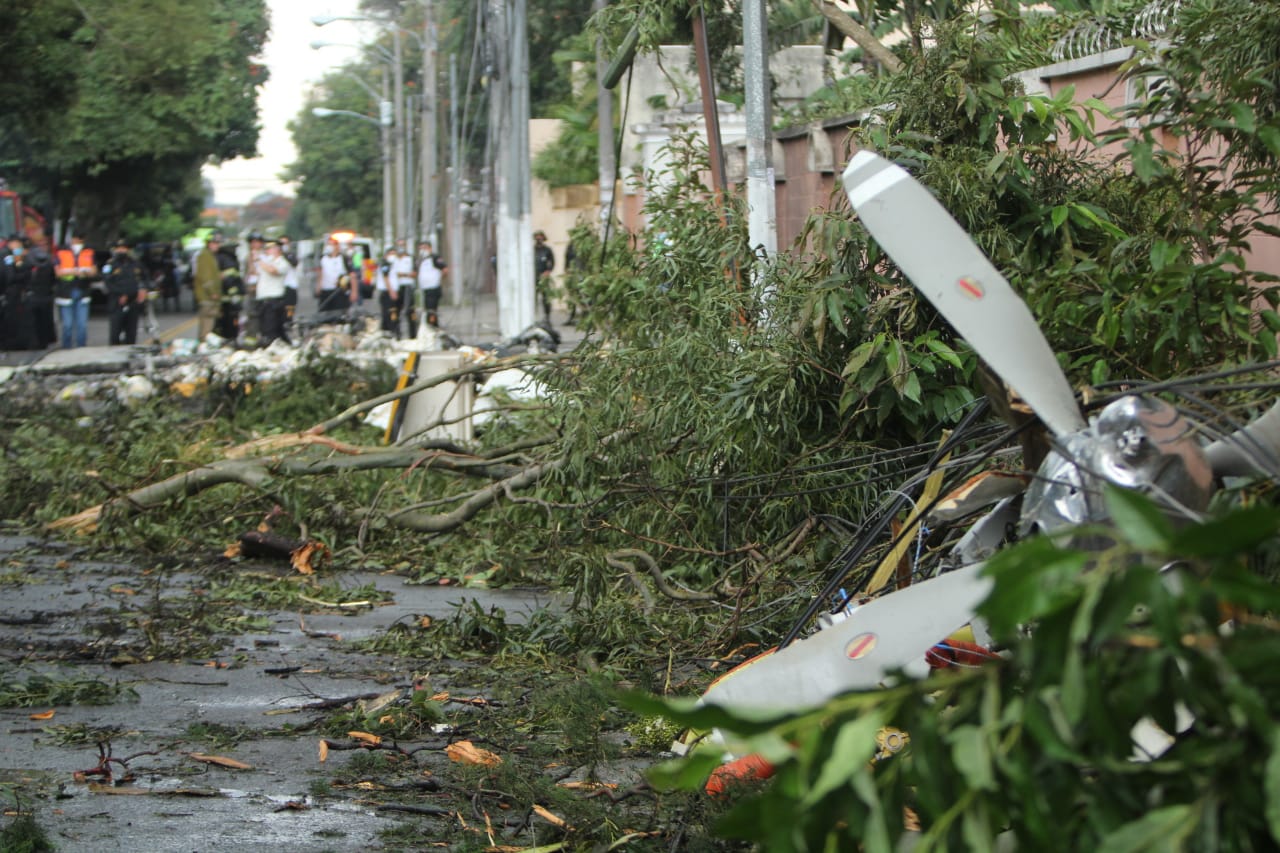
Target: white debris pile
[[511, 384], [187, 366], [213, 360], [457, 410]]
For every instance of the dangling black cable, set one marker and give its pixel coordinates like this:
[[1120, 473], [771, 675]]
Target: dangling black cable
[[871, 530]]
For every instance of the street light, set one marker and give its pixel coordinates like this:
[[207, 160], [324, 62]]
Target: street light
[[383, 124], [377, 48], [399, 144], [360, 81]]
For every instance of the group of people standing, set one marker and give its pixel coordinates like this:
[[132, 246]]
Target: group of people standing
[[398, 280], [27, 283], [250, 306], [34, 285], [247, 298], [253, 305]]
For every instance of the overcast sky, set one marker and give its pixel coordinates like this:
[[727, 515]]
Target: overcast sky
[[295, 67]]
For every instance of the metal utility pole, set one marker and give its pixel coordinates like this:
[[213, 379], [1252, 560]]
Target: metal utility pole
[[430, 126], [762, 217], [509, 118], [607, 167]]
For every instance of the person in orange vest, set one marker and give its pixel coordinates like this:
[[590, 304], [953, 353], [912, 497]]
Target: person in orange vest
[[76, 268]]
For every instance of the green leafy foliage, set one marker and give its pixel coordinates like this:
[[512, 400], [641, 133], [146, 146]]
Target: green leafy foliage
[[705, 418], [113, 107], [1037, 747], [339, 163], [572, 157], [63, 461], [25, 689], [1097, 252], [22, 833], [1206, 134]]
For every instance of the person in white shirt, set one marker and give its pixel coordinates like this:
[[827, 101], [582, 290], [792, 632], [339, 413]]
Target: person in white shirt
[[249, 310], [273, 270], [431, 270], [406, 283], [291, 279], [335, 288], [386, 286]]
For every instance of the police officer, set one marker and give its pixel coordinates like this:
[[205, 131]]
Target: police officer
[[544, 262], [15, 297], [126, 294]]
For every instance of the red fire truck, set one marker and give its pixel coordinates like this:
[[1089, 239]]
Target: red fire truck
[[17, 218]]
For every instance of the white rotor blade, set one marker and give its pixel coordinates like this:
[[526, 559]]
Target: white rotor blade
[[892, 632], [944, 264]]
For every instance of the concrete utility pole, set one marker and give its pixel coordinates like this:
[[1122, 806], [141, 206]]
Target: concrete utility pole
[[762, 217], [509, 122], [607, 166], [411, 132], [457, 256], [430, 125], [401, 140], [386, 118]]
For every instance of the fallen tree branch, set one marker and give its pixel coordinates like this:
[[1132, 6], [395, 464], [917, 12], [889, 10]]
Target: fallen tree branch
[[618, 560], [336, 605], [326, 704], [275, 443], [262, 473], [445, 522], [520, 445]]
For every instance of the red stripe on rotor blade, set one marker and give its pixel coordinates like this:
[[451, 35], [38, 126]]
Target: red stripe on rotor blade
[[860, 646], [971, 287]]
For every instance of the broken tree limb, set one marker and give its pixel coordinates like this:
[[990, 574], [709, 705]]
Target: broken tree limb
[[860, 35], [262, 473], [471, 506], [305, 555], [276, 443], [326, 704], [187, 483], [517, 447], [619, 560]]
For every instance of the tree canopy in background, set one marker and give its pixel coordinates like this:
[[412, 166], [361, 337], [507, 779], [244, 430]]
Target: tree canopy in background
[[111, 107], [339, 164]]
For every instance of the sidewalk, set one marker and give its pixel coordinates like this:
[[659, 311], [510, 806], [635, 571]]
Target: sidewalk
[[173, 324]]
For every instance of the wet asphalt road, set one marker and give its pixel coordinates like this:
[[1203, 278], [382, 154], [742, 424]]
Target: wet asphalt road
[[56, 618]]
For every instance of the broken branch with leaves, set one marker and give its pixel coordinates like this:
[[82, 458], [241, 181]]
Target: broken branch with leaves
[[263, 463]]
